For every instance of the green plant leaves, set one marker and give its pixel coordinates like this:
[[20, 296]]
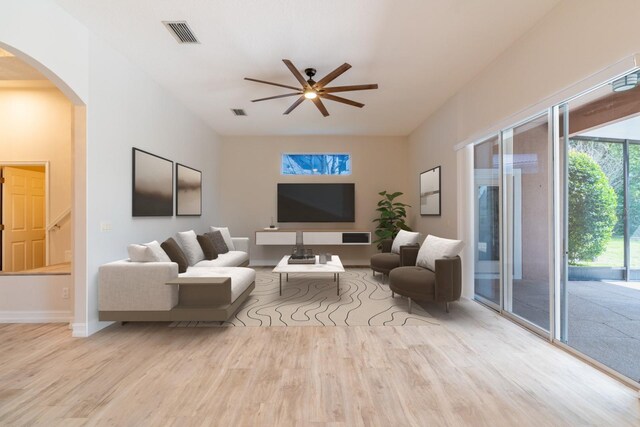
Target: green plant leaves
[[391, 218]]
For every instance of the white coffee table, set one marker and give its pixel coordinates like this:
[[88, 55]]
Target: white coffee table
[[334, 267]]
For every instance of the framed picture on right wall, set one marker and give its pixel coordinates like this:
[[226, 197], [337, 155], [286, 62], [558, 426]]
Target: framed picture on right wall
[[430, 192]]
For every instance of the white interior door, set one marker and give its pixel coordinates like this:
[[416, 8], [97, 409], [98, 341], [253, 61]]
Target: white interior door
[[24, 219]]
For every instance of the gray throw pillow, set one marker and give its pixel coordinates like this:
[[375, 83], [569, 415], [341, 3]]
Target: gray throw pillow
[[188, 241], [176, 255], [207, 247], [218, 242]]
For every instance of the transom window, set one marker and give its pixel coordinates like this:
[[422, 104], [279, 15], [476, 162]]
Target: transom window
[[316, 164]]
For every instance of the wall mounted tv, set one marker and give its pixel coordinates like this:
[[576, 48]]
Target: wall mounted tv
[[316, 202]]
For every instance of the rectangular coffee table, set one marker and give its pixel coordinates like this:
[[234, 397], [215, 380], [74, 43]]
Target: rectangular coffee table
[[333, 267]]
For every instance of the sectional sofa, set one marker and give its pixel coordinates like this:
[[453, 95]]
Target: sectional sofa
[[209, 290]]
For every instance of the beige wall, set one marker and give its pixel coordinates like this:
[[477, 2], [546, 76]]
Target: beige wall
[[431, 146], [35, 126], [124, 108], [250, 169], [575, 40]]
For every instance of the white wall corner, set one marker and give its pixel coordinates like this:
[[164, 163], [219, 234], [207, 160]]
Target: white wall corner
[[83, 330], [465, 224], [79, 330]]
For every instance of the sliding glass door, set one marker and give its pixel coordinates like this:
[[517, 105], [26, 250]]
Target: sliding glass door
[[633, 209], [512, 228], [571, 270], [527, 226], [487, 246], [600, 306]]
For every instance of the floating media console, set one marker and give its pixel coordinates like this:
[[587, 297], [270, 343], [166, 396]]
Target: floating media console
[[316, 237]]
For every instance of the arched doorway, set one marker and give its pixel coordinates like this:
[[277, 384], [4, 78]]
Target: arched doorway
[[43, 132]]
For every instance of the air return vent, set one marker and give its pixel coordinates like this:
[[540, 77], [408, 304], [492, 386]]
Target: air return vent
[[238, 112], [181, 31]]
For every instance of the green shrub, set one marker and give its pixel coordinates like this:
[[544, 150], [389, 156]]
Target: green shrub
[[592, 208]]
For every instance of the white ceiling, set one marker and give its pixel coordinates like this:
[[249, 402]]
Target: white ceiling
[[420, 52], [624, 129]]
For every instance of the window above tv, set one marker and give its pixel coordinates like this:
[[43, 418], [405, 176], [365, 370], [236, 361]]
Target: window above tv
[[315, 164]]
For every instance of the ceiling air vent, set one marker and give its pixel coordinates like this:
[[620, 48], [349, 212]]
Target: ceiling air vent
[[238, 112], [181, 31]]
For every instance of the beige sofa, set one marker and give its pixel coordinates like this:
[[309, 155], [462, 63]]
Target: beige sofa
[[154, 291]]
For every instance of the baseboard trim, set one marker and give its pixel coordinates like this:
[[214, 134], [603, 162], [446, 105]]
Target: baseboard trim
[[23, 316], [83, 330], [79, 330]]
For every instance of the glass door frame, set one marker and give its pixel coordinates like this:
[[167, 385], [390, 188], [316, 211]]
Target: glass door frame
[[554, 106], [507, 266], [560, 206], [505, 253], [488, 271], [492, 304]]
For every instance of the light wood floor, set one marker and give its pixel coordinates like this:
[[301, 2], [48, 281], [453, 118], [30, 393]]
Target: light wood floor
[[63, 268], [474, 369]]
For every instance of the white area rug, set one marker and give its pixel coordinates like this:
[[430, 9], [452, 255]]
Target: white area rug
[[311, 300]]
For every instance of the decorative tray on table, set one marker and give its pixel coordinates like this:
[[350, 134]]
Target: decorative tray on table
[[305, 259]]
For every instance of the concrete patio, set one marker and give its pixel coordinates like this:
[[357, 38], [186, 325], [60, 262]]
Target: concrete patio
[[604, 318]]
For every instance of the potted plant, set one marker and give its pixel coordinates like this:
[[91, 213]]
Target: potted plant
[[392, 216]]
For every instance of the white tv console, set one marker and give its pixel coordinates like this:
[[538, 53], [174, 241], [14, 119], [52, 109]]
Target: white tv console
[[313, 237]]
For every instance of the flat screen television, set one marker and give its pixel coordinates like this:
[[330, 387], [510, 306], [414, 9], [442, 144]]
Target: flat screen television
[[316, 202]]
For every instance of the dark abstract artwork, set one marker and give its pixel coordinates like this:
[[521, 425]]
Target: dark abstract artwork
[[152, 185], [188, 191], [430, 192]]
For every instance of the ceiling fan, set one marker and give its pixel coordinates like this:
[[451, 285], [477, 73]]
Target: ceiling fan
[[313, 90]]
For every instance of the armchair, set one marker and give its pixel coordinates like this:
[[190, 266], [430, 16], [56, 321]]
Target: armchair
[[419, 283], [386, 260]]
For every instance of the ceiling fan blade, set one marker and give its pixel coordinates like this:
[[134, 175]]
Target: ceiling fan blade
[[340, 99], [320, 106], [276, 97], [294, 105], [271, 83], [332, 75], [295, 72], [349, 88]]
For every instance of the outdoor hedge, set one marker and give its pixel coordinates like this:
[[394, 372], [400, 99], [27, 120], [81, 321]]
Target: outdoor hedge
[[592, 208]]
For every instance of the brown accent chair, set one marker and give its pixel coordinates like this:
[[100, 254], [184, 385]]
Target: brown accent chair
[[422, 284], [386, 261]]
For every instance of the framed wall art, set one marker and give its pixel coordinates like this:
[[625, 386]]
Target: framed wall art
[[188, 191], [430, 200], [152, 185]]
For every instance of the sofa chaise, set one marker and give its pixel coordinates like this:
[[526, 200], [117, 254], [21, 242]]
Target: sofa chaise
[[209, 290]]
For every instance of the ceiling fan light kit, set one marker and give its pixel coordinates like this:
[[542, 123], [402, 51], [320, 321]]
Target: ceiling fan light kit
[[315, 91]]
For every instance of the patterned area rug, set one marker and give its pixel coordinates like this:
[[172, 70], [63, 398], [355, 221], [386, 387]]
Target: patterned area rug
[[311, 300]]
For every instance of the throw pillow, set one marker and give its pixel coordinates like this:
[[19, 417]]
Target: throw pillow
[[176, 255], [158, 254], [435, 248], [188, 241], [218, 242], [404, 238], [227, 237], [140, 253], [207, 247]]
